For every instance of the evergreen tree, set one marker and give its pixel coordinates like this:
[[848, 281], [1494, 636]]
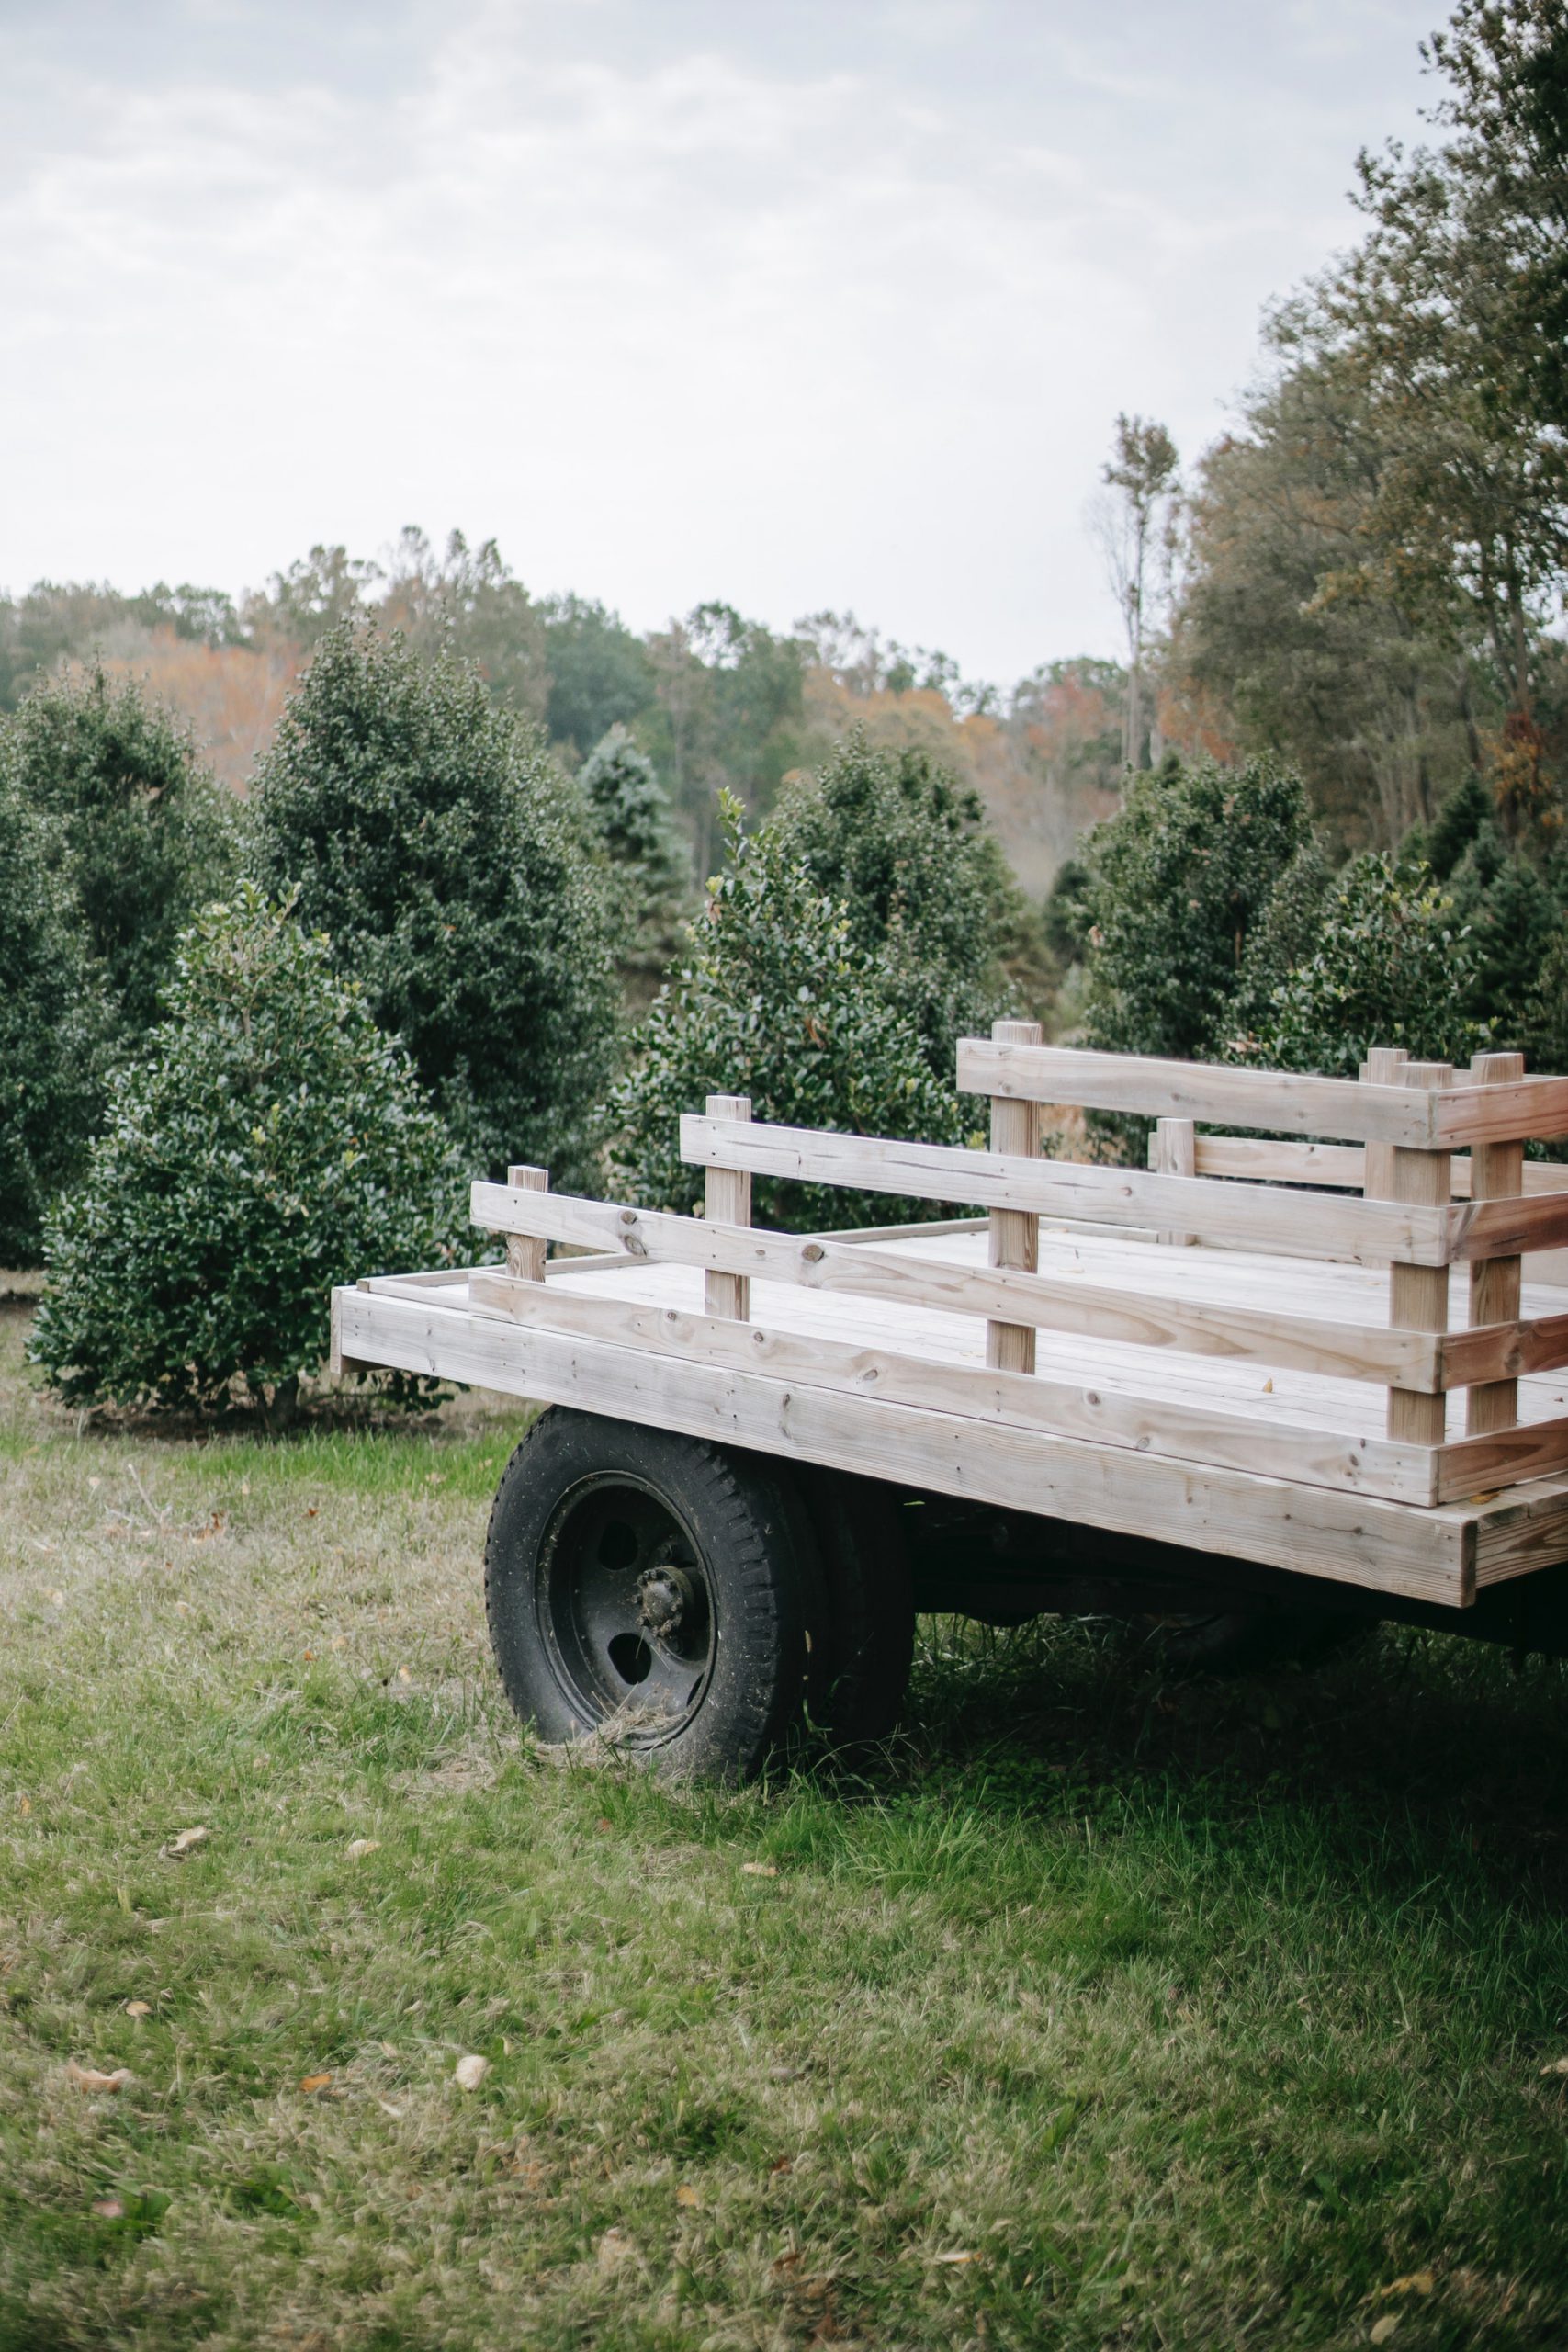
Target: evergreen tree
[[142, 833], [269, 1143], [450, 864], [52, 1023]]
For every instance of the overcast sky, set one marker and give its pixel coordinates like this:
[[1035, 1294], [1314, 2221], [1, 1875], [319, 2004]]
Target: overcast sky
[[792, 302]]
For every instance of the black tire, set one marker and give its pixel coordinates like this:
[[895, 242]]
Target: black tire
[[662, 1591], [871, 1609], [1249, 1641]]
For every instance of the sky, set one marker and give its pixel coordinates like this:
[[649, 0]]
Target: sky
[[794, 304]]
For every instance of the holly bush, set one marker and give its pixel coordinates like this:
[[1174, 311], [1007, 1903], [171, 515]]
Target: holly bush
[[780, 1001], [270, 1143], [1390, 966], [903, 847], [1175, 884], [451, 864], [142, 833], [52, 1019]]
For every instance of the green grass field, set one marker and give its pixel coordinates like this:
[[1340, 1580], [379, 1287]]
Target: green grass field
[[1104, 2012]]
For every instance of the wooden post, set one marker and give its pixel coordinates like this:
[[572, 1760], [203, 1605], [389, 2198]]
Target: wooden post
[[525, 1252], [1176, 1154], [1015, 1233], [1418, 1296], [1497, 1172], [727, 1200], [1384, 1066]]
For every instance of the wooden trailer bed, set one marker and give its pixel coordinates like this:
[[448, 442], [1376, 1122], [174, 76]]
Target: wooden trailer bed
[[1318, 1357]]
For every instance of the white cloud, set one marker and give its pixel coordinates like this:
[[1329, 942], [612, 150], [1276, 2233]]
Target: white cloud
[[674, 317]]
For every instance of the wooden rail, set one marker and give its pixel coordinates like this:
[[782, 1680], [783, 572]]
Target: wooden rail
[[1415, 1117], [1338, 1348], [1296, 1225]]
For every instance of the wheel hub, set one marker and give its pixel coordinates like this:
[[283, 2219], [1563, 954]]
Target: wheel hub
[[663, 1596]]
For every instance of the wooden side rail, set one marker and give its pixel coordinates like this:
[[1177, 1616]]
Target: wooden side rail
[[1340, 1167], [1416, 1118], [1337, 1349], [1292, 1224]]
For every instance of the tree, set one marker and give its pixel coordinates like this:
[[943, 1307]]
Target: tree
[[269, 1144], [895, 840], [649, 864], [1390, 967], [600, 674], [469, 596], [451, 864], [142, 833], [1134, 525], [317, 594], [1175, 884], [779, 1002], [1371, 694], [51, 1027]]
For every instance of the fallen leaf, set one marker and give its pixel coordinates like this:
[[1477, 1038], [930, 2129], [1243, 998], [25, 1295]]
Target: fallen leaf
[[614, 2247], [185, 1840], [88, 2078], [308, 1656], [108, 2209], [956, 2258], [388, 2109], [758, 1870], [403, 1674], [1383, 2328], [312, 1510], [1269, 1388], [389, 2048], [315, 2083], [139, 2008], [601, 1825], [687, 2195], [24, 1806], [783, 2164], [1416, 2282], [359, 1846], [1557, 2067], [471, 2072]]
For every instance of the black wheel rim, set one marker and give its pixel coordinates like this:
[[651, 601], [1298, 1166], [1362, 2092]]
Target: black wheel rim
[[626, 1610]]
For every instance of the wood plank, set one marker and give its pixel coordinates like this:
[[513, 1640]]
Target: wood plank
[[1418, 1296], [1193, 1432], [525, 1252], [1295, 1224], [1173, 1151], [1497, 1172], [1281, 1100], [1341, 1349], [727, 1200], [1355, 1538], [1339, 1165], [1468, 1466], [1014, 1234], [1525, 1532]]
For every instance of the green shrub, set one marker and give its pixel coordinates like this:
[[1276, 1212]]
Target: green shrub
[[903, 847], [451, 865], [51, 1024], [1175, 882], [271, 1142], [780, 1003], [143, 833], [650, 866], [1392, 967]]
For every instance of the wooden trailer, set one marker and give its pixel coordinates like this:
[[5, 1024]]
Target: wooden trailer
[[1309, 1364]]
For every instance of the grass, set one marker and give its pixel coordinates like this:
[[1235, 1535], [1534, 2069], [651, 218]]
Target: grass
[[1100, 2013]]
